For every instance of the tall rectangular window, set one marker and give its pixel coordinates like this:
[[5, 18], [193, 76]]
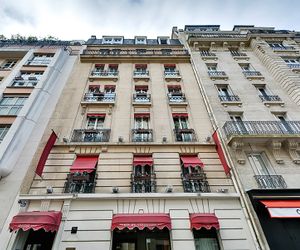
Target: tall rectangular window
[[11, 105], [3, 130], [206, 239], [9, 63], [260, 164], [41, 59]]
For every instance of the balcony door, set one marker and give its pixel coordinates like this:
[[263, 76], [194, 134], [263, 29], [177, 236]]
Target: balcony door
[[141, 123], [224, 93], [95, 122], [260, 164], [284, 125], [181, 123], [239, 124]]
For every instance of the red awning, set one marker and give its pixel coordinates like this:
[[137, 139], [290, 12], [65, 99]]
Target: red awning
[[96, 115], [221, 153], [205, 220], [113, 66], [170, 65], [99, 65], [174, 87], [136, 115], [49, 221], [84, 164], [180, 115], [141, 66], [191, 161], [141, 87], [141, 221], [42, 161], [142, 160], [282, 208], [110, 86]]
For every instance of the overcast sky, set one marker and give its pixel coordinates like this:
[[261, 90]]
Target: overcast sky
[[79, 19]]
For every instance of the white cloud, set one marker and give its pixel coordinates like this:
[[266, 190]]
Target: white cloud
[[78, 19]]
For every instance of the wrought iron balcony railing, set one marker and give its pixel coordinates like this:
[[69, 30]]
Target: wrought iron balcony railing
[[176, 97], [80, 183], [105, 73], [99, 97], [229, 98], [142, 135], [140, 53], [294, 65], [90, 135], [39, 62], [141, 73], [270, 181], [216, 73], [251, 73], [261, 128], [185, 135], [207, 53], [142, 97], [235, 53], [24, 83], [173, 73], [143, 183], [195, 182], [270, 98], [283, 48]]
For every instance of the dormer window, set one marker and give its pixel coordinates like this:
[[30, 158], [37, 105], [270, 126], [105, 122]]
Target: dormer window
[[163, 40], [140, 40], [112, 40]]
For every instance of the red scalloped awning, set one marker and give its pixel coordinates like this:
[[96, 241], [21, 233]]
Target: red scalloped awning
[[191, 161], [84, 164], [174, 87], [137, 115], [110, 86], [99, 65], [96, 115], [142, 160], [204, 220], [141, 87], [176, 115], [115, 66], [170, 65], [49, 221], [141, 221], [141, 66]]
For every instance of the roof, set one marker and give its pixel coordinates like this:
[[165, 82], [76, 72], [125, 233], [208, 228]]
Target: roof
[[95, 41]]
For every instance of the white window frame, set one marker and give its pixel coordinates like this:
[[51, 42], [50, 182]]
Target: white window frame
[[141, 122], [143, 40], [99, 122]]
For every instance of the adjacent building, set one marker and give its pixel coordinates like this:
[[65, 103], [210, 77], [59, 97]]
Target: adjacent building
[[250, 80], [137, 163]]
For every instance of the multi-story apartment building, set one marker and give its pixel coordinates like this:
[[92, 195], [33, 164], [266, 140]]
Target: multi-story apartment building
[[32, 76], [135, 165], [249, 79]]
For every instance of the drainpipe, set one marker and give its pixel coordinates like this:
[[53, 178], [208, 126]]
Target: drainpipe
[[237, 184]]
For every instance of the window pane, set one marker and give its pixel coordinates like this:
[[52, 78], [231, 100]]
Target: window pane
[[206, 244]]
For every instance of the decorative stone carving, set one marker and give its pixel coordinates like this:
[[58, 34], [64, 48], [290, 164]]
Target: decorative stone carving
[[225, 46], [213, 46], [237, 146], [292, 149], [242, 46], [276, 149], [187, 150]]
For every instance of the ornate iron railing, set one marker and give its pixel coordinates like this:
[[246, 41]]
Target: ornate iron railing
[[173, 73], [216, 73], [176, 97], [261, 127], [195, 182], [237, 53], [80, 183], [99, 97], [283, 48], [229, 98], [141, 73], [133, 52], [142, 135], [270, 98], [105, 73], [185, 135], [90, 135], [207, 53], [141, 97], [249, 73], [294, 65], [270, 181], [143, 183]]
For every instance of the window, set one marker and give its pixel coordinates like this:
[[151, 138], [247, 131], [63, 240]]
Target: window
[[245, 67], [285, 125], [224, 91], [141, 122], [163, 40], [175, 94], [27, 79], [182, 131], [292, 60], [206, 239], [212, 67], [41, 59], [142, 131], [95, 122], [141, 94], [113, 67], [170, 68], [9, 64], [260, 164], [3, 130], [276, 45], [112, 40], [238, 123], [11, 105], [181, 122], [140, 40]]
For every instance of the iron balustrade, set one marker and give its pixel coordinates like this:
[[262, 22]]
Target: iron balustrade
[[250, 73], [141, 73], [80, 183], [143, 183], [237, 53], [270, 181], [104, 73], [282, 48], [172, 73], [24, 83], [261, 128], [195, 182], [90, 135], [229, 98], [294, 65], [133, 52], [176, 97], [185, 135], [216, 73], [142, 135], [206, 53], [270, 98], [99, 97], [141, 97]]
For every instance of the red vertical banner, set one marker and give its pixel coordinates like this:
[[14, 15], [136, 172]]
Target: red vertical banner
[[221, 153], [41, 164]]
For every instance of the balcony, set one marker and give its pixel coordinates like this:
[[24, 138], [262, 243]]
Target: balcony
[[141, 75], [80, 183], [177, 99], [284, 49], [261, 130], [253, 75], [217, 74], [99, 98], [24, 83], [141, 99], [90, 135], [230, 99], [270, 181], [185, 135], [271, 99], [143, 183], [142, 135], [195, 183], [172, 75], [207, 55], [104, 74], [294, 66], [236, 55]]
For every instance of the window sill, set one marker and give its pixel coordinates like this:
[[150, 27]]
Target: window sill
[[227, 103]]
